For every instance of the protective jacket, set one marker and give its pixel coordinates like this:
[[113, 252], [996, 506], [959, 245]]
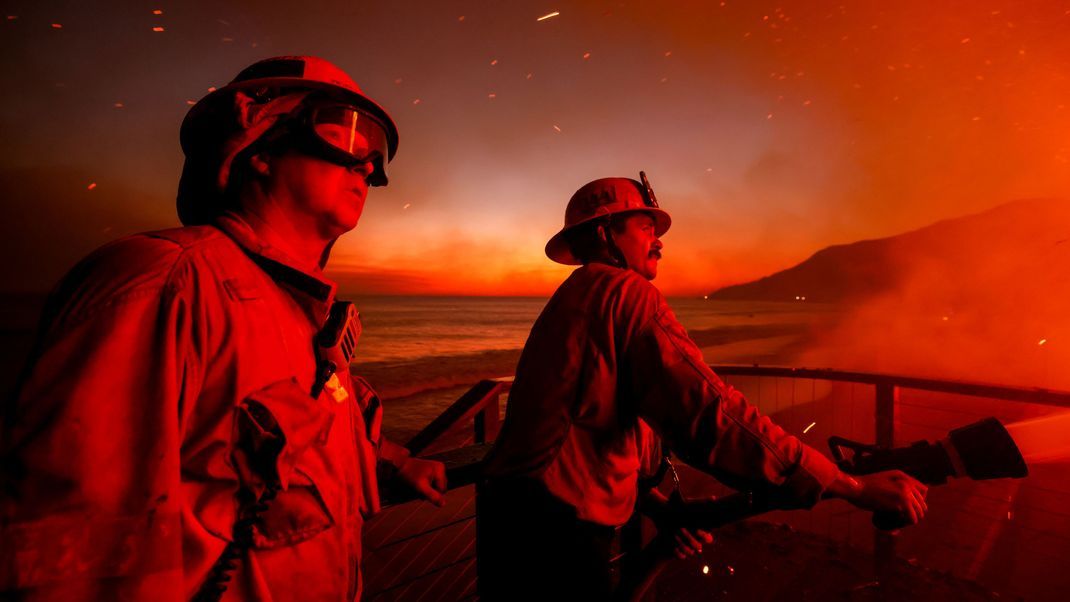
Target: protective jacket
[[606, 352], [172, 369]]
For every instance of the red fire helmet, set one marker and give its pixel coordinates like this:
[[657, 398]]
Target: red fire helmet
[[601, 198], [230, 119]]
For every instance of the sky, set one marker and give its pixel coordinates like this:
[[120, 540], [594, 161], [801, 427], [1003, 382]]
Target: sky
[[769, 130]]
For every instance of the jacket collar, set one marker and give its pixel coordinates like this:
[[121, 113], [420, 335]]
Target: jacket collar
[[281, 267]]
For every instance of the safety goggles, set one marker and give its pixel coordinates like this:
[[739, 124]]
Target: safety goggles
[[343, 134], [648, 192], [349, 136]]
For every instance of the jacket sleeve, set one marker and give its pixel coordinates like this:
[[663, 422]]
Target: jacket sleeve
[[710, 425], [91, 499]]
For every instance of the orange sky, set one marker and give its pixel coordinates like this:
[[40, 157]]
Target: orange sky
[[768, 129]]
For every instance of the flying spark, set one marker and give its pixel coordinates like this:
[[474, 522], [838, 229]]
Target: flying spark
[[91, 186], [407, 205], [557, 128], [807, 429], [549, 16], [586, 55], [57, 26], [1042, 341], [705, 569], [157, 29], [157, 12]]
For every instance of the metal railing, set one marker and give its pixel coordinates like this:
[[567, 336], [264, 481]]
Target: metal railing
[[460, 437]]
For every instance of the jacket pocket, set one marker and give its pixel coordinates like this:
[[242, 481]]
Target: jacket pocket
[[274, 428]]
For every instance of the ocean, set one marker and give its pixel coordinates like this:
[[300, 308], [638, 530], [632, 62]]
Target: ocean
[[422, 353]]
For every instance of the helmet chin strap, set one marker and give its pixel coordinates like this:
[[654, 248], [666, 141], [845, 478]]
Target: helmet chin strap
[[613, 253]]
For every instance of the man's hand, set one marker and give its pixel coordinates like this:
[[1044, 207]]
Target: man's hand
[[689, 543], [888, 491], [427, 477]]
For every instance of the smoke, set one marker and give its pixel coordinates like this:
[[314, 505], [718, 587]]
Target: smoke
[[981, 298]]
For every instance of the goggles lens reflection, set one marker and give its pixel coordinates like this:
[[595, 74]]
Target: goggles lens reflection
[[351, 131]]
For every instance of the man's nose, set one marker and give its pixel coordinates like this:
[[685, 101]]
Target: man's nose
[[657, 244], [363, 168]]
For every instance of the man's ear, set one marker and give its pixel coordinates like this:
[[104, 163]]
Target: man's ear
[[601, 229], [260, 164]]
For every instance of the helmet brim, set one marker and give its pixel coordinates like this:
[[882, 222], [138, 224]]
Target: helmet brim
[[557, 248]]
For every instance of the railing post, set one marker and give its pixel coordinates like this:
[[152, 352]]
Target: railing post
[[884, 423], [486, 421]]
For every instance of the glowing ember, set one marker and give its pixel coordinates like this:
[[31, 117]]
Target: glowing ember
[[769, 116], [416, 102], [557, 128], [668, 53], [807, 429], [494, 62], [191, 102], [12, 17], [1042, 341], [586, 55], [211, 88], [157, 12], [731, 571], [965, 41], [407, 205], [57, 26], [460, 18], [492, 96], [91, 186], [118, 105], [705, 569], [157, 29], [549, 16], [529, 76]]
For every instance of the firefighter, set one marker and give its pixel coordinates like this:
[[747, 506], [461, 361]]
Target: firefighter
[[188, 426], [606, 357]]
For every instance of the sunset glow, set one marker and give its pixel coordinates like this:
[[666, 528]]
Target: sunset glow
[[769, 130]]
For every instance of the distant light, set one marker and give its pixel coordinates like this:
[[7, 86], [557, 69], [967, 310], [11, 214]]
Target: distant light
[[807, 429], [1042, 341], [57, 26], [157, 29], [705, 569], [731, 571], [705, 296], [551, 15], [91, 186]]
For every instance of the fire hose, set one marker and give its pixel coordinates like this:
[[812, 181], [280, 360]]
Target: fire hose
[[980, 451]]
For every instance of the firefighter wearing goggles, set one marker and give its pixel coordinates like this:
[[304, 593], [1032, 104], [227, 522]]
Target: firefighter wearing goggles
[[606, 374], [189, 427]]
